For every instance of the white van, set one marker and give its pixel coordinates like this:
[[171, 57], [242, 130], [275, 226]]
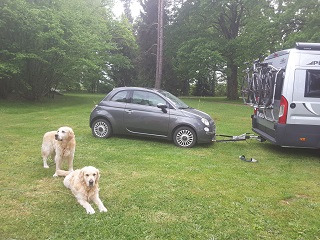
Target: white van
[[293, 117]]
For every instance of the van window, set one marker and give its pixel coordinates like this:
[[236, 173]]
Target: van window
[[279, 84], [312, 88]]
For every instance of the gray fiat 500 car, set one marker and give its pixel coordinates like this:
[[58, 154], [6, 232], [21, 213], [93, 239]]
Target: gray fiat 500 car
[[153, 113]]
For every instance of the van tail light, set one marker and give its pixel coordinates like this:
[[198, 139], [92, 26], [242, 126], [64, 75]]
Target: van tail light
[[283, 111], [255, 111]]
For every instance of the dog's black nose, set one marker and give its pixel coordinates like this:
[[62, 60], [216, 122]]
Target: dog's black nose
[[91, 183], [56, 136]]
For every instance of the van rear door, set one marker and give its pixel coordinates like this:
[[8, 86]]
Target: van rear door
[[305, 107]]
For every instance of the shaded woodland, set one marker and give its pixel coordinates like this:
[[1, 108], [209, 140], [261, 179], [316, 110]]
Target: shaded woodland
[[79, 45]]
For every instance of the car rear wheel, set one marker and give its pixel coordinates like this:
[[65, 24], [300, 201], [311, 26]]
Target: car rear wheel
[[101, 128], [184, 137]]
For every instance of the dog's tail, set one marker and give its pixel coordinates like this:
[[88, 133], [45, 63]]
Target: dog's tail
[[62, 173]]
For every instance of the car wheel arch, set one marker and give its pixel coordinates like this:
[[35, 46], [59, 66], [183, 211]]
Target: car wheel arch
[[182, 125], [99, 117]]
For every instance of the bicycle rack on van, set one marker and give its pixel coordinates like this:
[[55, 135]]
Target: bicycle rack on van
[[270, 106], [242, 137]]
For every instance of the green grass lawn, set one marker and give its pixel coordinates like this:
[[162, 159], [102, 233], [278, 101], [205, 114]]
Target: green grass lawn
[[153, 189]]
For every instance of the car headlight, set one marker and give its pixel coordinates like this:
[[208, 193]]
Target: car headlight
[[94, 107], [205, 121]]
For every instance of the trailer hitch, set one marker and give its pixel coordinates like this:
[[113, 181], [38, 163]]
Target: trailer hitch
[[242, 137]]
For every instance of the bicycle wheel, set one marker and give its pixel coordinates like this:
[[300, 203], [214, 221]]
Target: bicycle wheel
[[256, 84], [269, 89], [266, 90], [245, 90]]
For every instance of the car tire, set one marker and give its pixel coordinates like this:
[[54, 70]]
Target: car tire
[[101, 128], [184, 137]]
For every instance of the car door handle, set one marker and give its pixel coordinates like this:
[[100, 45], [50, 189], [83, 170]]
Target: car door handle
[[128, 111]]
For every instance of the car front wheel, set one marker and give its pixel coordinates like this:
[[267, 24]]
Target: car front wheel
[[101, 128], [184, 137]]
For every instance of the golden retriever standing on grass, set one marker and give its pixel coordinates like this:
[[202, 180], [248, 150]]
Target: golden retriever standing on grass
[[84, 184], [59, 145]]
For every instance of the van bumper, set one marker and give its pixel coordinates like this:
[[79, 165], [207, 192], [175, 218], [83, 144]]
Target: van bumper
[[293, 135], [289, 135]]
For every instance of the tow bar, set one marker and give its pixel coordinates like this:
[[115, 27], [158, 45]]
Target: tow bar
[[242, 137]]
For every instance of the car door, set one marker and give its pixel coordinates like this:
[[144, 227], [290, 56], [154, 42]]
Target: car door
[[142, 116], [115, 110]]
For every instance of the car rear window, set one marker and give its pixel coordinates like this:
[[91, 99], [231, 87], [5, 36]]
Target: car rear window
[[120, 97]]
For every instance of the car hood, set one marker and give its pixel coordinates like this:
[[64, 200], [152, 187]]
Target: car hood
[[192, 112]]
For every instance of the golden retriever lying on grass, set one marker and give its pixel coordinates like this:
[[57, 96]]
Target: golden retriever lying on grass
[[84, 184], [59, 145]]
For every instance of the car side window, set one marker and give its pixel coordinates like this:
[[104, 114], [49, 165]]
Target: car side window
[[146, 98], [120, 97], [154, 100], [312, 88]]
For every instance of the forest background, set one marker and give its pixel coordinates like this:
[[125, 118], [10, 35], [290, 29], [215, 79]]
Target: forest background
[[80, 45]]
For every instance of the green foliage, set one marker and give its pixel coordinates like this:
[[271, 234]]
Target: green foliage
[[153, 189], [32, 43], [240, 31], [60, 44], [299, 22], [79, 45], [217, 23], [124, 57], [198, 60]]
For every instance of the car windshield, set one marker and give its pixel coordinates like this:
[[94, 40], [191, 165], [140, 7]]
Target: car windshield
[[177, 102]]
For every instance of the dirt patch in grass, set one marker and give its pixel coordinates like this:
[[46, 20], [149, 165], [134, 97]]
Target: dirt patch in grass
[[292, 199]]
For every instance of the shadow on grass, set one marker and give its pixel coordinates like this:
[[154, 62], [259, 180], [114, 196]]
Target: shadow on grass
[[294, 153], [161, 142]]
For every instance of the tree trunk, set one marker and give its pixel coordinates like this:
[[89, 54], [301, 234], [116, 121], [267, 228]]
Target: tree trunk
[[232, 93], [4, 88], [159, 45]]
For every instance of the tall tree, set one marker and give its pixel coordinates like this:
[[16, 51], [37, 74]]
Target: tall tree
[[193, 45], [127, 10], [199, 60], [147, 41], [159, 67], [124, 57], [224, 24], [87, 31], [227, 17]]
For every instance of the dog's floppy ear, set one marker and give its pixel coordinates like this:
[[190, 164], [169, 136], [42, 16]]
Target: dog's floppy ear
[[81, 175], [98, 175], [71, 134]]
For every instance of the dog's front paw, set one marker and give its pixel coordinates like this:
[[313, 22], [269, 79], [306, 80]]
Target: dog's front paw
[[55, 175], [103, 209], [45, 166], [90, 210]]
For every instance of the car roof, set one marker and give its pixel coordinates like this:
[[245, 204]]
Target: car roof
[[131, 88], [136, 88]]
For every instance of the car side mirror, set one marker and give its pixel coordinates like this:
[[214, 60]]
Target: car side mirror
[[163, 107]]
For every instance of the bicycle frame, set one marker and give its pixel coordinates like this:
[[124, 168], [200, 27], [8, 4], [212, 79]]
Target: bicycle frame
[[260, 89], [249, 88]]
